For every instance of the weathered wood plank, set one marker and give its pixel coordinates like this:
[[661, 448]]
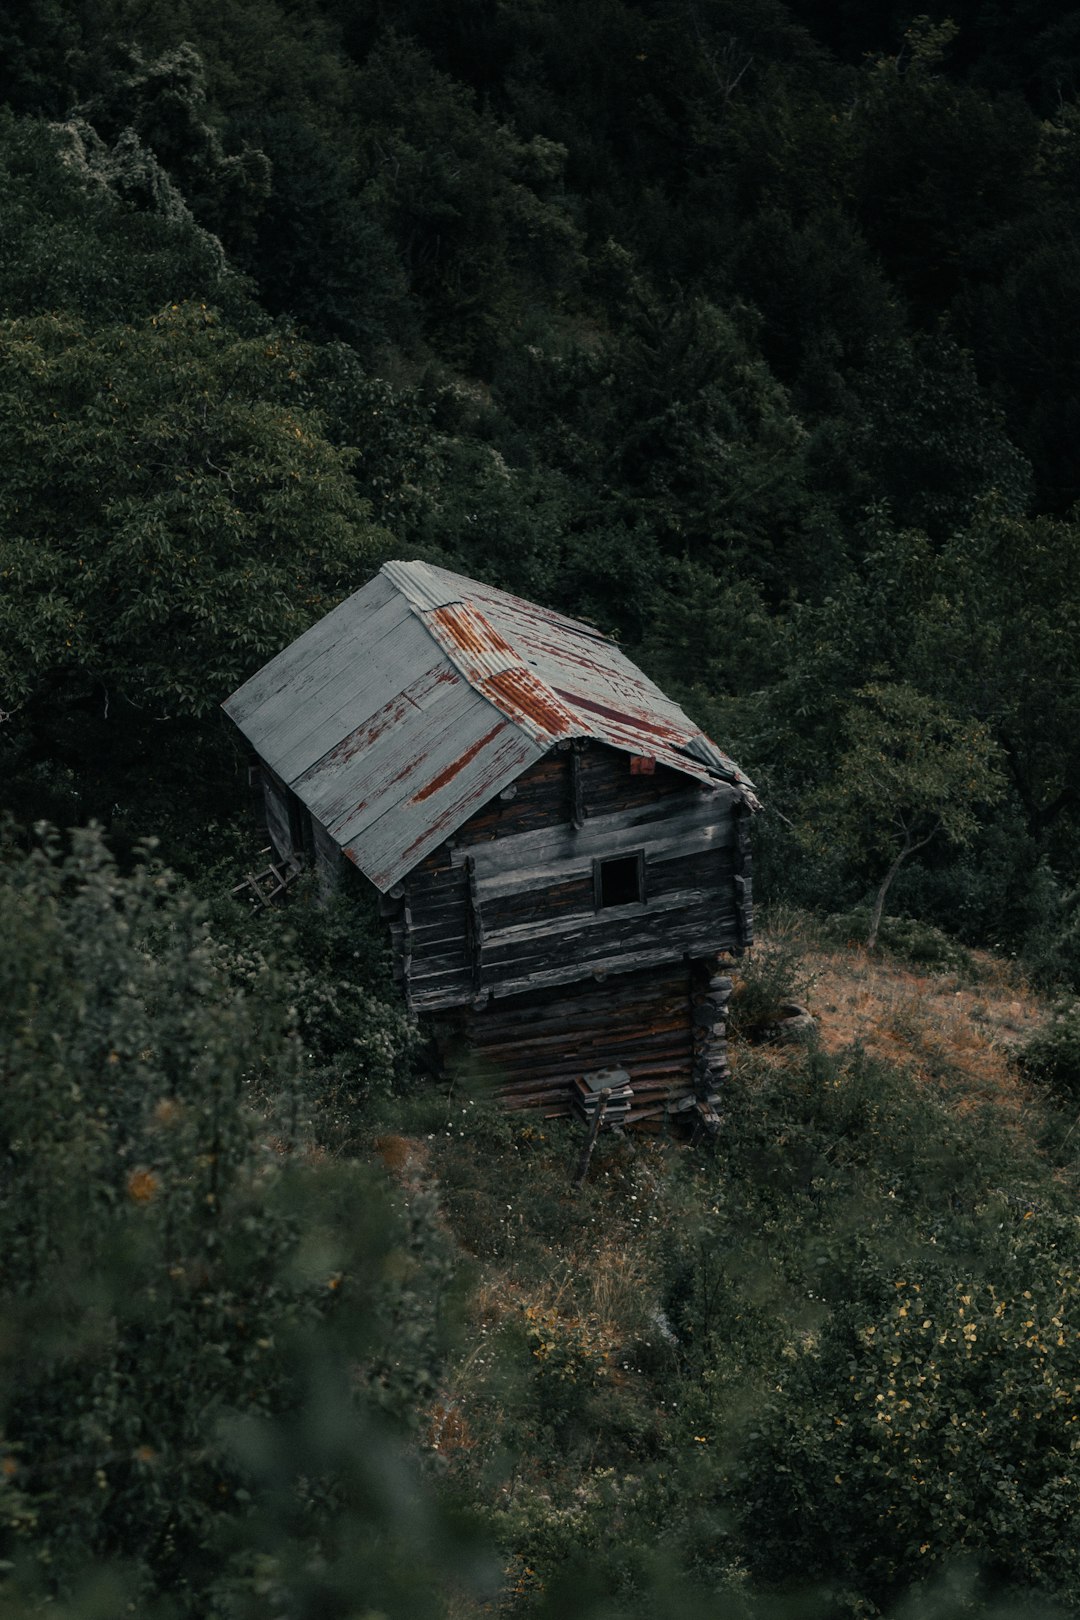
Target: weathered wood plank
[[435, 873], [540, 908], [672, 915], [639, 1023], [608, 779], [536, 979], [474, 926], [353, 680], [577, 792], [667, 988], [536, 877], [336, 638], [741, 865], [328, 860], [605, 835], [540, 801], [278, 820], [643, 1051]]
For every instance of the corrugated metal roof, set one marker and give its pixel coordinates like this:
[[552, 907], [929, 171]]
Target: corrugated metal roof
[[424, 694]]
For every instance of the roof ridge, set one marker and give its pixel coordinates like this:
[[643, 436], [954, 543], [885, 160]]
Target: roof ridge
[[499, 672]]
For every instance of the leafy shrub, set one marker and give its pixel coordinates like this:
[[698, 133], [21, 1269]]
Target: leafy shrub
[[905, 938], [1052, 1055], [190, 1315], [569, 1358], [932, 1417], [835, 1284], [771, 975]]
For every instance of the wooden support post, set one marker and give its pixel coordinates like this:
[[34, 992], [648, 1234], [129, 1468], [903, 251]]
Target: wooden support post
[[406, 953], [577, 796], [709, 992], [474, 924], [594, 1130], [741, 881]]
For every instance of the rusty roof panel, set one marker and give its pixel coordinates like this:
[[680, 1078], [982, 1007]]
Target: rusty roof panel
[[420, 697], [461, 772], [392, 768], [555, 676]]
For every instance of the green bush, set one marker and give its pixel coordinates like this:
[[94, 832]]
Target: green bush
[[1052, 1055], [930, 1418], [770, 975], [905, 938], [195, 1321]]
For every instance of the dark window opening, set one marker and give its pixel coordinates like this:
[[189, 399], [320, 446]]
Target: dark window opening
[[620, 881], [300, 830]]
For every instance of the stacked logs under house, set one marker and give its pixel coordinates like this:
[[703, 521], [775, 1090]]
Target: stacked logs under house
[[563, 858]]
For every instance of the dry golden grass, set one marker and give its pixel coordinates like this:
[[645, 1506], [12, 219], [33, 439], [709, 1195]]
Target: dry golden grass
[[405, 1157], [948, 1031]]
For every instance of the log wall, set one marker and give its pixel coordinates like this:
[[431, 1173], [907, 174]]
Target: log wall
[[284, 816], [664, 1028], [510, 903]]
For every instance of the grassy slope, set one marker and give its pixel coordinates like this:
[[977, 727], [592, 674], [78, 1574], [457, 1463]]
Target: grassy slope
[[571, 1415]]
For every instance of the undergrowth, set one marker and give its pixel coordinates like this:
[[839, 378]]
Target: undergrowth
[[671, 1378], [905, 939]]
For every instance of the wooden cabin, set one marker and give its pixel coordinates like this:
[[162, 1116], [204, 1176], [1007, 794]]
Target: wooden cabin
[[562, 855]]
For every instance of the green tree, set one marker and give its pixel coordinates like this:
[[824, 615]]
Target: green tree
[[171, 516], [35, 38], [937, 166], [998, 638], [78, 234], [319, 253], [478, 213], [918, 432], [911, 769], [160, 106]]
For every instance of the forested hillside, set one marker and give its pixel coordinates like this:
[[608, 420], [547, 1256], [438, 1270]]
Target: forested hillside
[[749, 332]]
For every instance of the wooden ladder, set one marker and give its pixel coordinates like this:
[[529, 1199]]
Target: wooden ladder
[[262, 888]]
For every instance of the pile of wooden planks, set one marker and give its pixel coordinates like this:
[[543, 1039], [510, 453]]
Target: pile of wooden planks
[[606, 1091]]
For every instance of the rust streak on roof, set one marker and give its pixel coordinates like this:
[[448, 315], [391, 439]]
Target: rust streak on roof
[[468, 629], [458, 765], [622, 717], [521, 695]]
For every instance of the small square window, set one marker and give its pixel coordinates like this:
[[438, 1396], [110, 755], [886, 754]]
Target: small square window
[[620, 881]]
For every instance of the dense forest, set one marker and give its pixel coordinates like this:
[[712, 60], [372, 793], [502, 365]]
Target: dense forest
[[748, 332]]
